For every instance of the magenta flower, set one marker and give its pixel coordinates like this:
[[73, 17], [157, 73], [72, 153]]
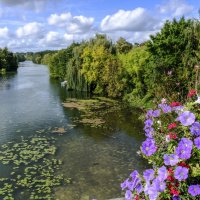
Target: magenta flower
[[186, 118], [195, 129], [197, 142], [181, 173], [171, 159], [149, 147], [194, 190]]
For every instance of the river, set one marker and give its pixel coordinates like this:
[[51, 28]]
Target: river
[[96, 159]]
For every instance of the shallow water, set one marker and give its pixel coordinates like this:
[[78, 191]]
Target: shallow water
[[97, 159]]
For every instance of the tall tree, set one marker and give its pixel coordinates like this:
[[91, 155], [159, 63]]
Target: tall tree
[[171, 65]]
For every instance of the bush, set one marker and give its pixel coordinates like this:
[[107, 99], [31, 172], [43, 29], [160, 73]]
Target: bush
[[172, 147]]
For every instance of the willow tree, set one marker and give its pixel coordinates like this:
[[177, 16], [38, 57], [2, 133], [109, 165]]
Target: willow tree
[[101, 68], [75, 79]]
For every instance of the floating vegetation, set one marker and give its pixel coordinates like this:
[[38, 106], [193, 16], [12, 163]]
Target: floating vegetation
[[60, 130], [93, 111], [33, 169], [93, 122]]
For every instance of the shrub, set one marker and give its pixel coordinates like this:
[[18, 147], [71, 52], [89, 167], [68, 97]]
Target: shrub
[[172, 147]]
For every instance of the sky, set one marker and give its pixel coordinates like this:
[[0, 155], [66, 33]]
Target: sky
[[36, 25]]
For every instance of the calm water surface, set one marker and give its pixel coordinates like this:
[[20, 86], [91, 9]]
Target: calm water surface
[[97, 159]]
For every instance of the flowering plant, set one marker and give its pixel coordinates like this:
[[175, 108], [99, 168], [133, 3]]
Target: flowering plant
[[172, 147]]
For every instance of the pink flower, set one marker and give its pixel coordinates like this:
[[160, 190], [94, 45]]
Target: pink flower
[[173, 135], [192, 93], [174, 104], [172, 125]]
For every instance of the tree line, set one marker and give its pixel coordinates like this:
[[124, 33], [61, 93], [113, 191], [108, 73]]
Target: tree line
[[161, 67], [8, 61]]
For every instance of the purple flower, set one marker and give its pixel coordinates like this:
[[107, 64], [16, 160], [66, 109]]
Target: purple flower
[[194, 190], [197, 142], [153, 193], [186, 118], [195, 129], [178, 109], [171, 159], [165, 108], [149, 147], [149, 132], [139, 188], [148, 123], [176, 198], [156, 113], [148, 174], [149, 113], [159, 185], [181, 173], [184, 148], [134, 174], [162, 173], [130, 185], [124, 184], [128, 195]]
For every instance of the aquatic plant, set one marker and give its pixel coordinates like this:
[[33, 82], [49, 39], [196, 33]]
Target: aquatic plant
[[33, 169], [172, 147]]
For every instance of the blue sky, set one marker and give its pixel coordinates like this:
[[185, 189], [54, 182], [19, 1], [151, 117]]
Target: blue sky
[[34, 25]]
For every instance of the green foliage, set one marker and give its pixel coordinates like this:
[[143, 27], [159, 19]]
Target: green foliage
[[123, 46], [101, 67], [170, 68], [139, 73], [21, 57], [8, 61]]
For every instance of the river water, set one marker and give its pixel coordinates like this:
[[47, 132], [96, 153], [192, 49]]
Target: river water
[[96, 159]]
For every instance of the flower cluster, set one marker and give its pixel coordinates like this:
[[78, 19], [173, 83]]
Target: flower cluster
[[172, 147]]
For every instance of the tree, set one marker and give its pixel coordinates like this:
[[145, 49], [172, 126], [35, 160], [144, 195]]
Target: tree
[[123, 46], [8, 61], [170, 68]]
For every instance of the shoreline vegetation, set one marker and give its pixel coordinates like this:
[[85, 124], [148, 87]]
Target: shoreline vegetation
[[140, 74]]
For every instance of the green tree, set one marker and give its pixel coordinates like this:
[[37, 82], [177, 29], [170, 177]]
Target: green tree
[[123, 46], [170, 69]]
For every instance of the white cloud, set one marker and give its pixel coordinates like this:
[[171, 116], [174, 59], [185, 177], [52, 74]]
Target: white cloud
[[176, 8], [52, 36], [73, 24], [134, 20], [52, 39], [4, 33], [68, 37], [60, 20], [33, 29]]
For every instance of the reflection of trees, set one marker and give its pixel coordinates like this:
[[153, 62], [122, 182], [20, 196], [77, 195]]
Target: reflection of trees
[[5, 80], [117, 117]]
